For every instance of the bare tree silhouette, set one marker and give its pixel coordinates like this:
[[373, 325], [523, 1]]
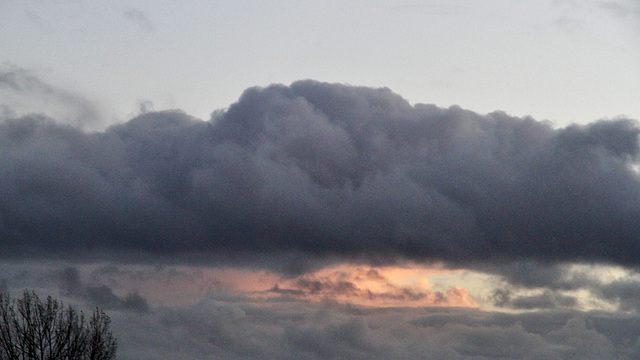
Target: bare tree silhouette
[[32, 329]]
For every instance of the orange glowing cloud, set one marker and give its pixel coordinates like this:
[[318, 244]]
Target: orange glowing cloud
[[360, 285], [382, 286]]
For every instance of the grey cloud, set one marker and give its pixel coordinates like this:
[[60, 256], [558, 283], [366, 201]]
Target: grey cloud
[[19, 85], [621, 9], [236, 327], [335, 288], [139, 18], [20, 80], [546, 300], [626, 292], [532, 274], [322, 172], [70, 281], [101, 296], [214, 328], [428, 8], [542, 275], [555, 286]]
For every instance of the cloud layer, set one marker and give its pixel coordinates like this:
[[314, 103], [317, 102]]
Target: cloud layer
[[314, 172], [200, 313], [237, 330]]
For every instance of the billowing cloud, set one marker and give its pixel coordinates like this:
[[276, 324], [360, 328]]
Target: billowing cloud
[[294, 177]]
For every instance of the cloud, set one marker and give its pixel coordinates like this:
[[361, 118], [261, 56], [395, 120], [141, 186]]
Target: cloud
[[139, 18], [545, 300], [429, 8], [372, 287], [241, 324], [588, 287], [626, 292], [71, 284], [25, 92], [101, 296], [215, 328], [555, 277], [621, 9], [292, 178]]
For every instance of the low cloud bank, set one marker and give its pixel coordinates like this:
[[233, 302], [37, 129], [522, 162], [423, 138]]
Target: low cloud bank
[[212, 319], [237, 330]]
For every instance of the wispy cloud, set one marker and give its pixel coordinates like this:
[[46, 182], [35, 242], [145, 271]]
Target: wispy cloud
[[26, 92], [621, 9], [432, 8], [139, 18]]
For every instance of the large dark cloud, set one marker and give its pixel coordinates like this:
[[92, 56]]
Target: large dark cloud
[[317, 171]]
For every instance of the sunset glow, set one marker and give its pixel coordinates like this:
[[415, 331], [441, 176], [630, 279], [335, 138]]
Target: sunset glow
[[348, 284], [383, 286], [313, 180]]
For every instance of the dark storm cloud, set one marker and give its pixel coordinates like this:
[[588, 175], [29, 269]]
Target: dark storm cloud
[[322, 171]]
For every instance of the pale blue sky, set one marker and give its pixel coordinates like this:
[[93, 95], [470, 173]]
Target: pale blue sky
[[565, 61]]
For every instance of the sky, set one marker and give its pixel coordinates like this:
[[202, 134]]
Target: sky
[[328, 180]]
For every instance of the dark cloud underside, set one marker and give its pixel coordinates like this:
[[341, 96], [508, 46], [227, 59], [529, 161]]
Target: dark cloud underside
[[301, 331], [321, 171]]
